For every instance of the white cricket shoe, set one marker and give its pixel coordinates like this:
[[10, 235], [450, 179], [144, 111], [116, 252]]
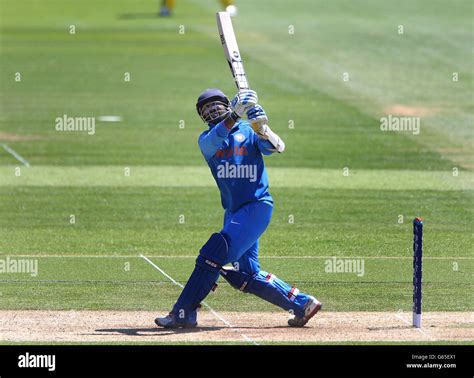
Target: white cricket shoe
[[171, 321], [311, 308]]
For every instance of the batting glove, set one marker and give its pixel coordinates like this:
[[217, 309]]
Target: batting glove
[[259, 121], [242, 101], [257, 117]]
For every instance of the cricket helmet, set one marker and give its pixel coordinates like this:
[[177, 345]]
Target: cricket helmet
[[213, 106]]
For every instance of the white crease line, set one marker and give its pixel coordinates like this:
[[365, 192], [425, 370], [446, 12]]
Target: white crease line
[[218, 316], [398, 316], [15, 155], [161, 271]]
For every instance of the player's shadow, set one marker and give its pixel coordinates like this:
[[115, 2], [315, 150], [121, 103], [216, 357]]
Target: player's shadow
[[155, 331], [137, 16], [263, 327]]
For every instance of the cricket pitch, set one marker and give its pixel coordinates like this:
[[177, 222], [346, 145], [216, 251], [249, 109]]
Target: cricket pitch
[[254, 327]]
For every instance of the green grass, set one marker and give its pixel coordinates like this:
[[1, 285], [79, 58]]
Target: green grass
[[99, 283], [198, 176], [129, 221], [299, 79], [167, 74]]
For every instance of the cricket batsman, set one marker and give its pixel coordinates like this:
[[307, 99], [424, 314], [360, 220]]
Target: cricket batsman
[[233, 149]]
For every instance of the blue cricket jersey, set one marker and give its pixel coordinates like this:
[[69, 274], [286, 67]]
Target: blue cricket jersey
[[235, 159]]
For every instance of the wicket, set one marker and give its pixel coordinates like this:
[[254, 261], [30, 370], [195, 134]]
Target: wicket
[[417, 270]]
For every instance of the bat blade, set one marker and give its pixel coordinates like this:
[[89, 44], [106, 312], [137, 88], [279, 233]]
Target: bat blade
[[231, 49]]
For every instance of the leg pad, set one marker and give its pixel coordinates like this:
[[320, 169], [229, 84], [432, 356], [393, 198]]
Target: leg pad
[[268, 287], [204, 277], [214, 253]]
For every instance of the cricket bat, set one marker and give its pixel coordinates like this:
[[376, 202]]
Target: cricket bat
[[232, 54], [231, 49]]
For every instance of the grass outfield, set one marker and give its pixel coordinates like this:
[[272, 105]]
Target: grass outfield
[[299, 80], [299, 77], [129, 283]]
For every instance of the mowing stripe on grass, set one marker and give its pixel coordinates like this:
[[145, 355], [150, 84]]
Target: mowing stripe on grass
[[245, 337], [110, 118], [15, 155], [325, 282], [72, 255], [199, 176]]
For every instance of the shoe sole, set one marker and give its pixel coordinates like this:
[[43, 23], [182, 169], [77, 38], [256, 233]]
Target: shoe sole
[[175, 325]]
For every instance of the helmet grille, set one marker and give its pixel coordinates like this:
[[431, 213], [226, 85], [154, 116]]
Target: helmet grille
[[214, 111]]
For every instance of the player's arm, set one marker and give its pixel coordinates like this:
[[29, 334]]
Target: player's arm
[[210, 141], [268, 141]]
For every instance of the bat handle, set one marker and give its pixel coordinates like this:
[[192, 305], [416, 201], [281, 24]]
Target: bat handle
[[257, 125]]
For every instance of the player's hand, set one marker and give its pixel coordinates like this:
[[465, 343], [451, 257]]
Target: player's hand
[[258, 119], [243, 101], [256, 114]]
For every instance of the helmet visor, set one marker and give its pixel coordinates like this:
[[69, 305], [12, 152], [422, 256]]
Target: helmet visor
[[214, 111]]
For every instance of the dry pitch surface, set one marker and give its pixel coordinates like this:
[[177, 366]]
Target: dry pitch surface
[[263, 327]]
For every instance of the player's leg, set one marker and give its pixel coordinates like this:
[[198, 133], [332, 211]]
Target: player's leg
[[276, 291], [221, 248], [248, 263], [268, 287], [202, 280], [243, 228], [247, 277]]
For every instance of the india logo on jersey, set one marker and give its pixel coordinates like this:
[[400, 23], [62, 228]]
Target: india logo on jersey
[[239, 137]]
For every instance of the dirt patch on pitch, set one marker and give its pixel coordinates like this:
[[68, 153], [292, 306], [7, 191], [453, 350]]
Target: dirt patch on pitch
[[410, 111], [11, 137], [125, 326]]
